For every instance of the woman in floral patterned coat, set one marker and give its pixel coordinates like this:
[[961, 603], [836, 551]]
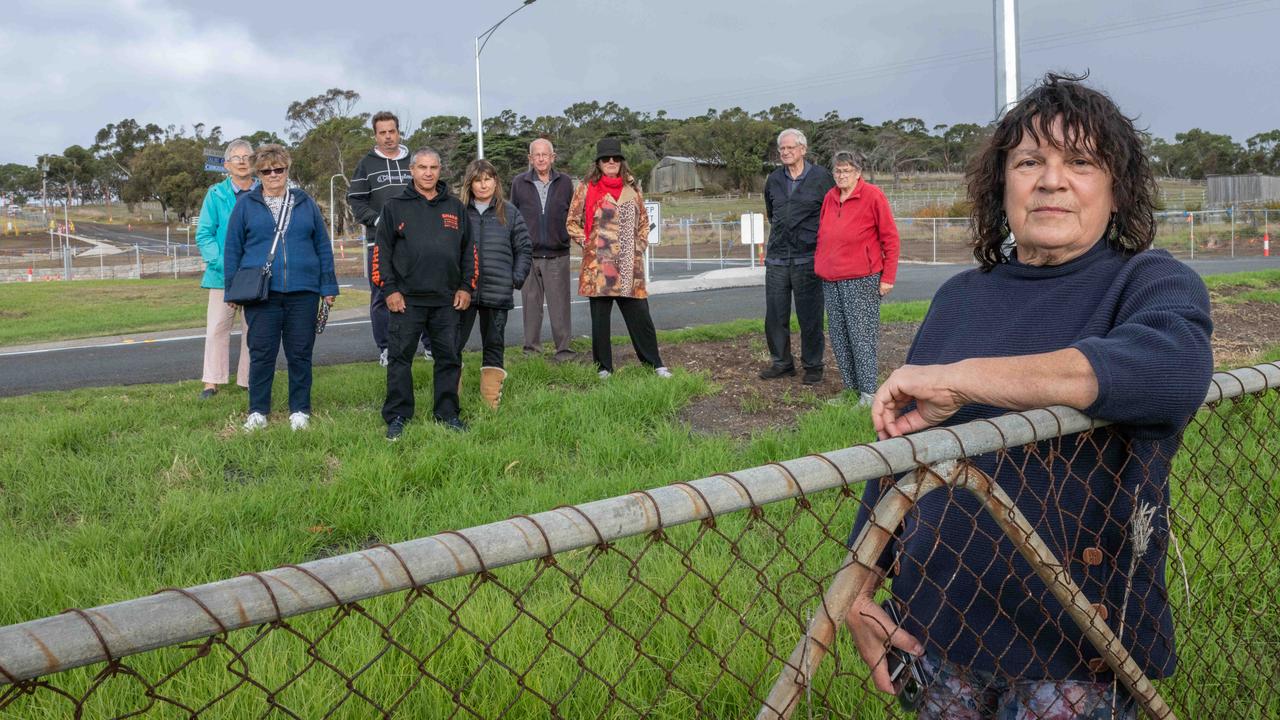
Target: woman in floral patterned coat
[[607, 218]]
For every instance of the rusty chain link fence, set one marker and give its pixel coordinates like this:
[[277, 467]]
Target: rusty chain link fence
[[716, 598]]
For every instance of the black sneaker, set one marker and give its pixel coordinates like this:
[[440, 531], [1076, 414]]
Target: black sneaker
[[812, 376], [454, 423], [208, 393], [395, 428], [776, 371]]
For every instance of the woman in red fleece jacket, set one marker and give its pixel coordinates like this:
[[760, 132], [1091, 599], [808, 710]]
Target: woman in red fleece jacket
[[857, 259]]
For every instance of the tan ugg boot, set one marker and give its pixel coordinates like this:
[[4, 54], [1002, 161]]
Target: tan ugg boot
[[491, 379]]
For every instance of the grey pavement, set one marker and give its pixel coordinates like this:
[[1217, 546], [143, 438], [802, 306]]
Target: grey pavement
[[691, 300]]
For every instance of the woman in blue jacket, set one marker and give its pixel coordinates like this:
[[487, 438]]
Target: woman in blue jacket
[[301, 273]]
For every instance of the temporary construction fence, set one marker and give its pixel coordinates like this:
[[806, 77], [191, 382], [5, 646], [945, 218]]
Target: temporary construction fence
[[716, 597]]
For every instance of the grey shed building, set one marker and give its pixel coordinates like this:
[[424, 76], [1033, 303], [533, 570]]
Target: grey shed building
[[675, 173], [1224, 190]]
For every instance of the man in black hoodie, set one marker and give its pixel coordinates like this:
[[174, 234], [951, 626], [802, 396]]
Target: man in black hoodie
[[425, 263], [380, 175]]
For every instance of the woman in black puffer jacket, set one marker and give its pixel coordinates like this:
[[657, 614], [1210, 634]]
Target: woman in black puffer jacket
[[503, 256]]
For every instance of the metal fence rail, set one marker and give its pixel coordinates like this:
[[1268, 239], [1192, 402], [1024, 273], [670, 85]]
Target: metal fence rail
[[680, 601]]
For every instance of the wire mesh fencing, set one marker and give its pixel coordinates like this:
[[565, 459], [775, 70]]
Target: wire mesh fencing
[[721, 597]]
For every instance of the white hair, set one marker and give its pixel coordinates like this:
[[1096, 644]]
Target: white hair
[[801, 140], [548, 142], [237, 143]]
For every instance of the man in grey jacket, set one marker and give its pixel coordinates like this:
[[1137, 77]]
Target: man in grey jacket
[[543, 195], [380, 175]]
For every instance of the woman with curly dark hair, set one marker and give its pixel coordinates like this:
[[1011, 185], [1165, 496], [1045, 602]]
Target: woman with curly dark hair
[[1068, 307]]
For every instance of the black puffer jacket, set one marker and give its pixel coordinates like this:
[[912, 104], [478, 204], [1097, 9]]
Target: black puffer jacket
[[503, 253]]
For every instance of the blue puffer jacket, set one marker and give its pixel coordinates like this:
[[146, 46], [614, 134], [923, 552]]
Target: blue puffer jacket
[[211, 231], [304, 260]]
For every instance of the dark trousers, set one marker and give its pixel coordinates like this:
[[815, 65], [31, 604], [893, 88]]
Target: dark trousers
[[378, 315], [287, 319], [781, 282], [440, 325], [493, 332], [548, 279], [644, 338]]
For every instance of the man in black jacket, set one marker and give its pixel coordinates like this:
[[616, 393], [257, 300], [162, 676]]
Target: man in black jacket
[[379, 176], [543, 195], [793, 202], [425, 263]]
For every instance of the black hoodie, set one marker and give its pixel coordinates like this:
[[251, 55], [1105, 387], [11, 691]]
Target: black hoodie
[[377, 178], [423, 248]]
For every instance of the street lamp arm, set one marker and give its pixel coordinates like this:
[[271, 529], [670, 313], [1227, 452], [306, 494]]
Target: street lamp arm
[[485, 36], [489, 33]]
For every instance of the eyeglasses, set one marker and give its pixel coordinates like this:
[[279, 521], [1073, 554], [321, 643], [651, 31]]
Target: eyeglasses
[[843, 171], [272, 171], [612, 159], [240, 158]]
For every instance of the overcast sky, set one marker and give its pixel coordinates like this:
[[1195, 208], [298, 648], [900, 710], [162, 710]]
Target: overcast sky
[[67, 67]]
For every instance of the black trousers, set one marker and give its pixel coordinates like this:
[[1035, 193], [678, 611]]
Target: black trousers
[[440, 324], [493, 332], [781, 282], [644, 338], [379, 316]]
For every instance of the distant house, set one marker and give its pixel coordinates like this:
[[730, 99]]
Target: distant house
[[675, 173], [1224, 190]]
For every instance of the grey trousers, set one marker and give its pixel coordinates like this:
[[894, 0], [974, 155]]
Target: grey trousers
[[548, 279]]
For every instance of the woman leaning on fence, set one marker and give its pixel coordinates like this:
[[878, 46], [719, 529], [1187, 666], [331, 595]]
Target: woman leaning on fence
[[1069, 306], [301, 272]]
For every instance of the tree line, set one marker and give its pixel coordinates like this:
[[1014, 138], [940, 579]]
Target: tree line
[[132, 162]]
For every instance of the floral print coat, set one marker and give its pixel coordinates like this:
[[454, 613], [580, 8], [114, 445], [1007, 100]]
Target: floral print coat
[[613, 257]]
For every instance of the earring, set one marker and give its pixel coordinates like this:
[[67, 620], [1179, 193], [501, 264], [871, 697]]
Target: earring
[[1004, 225], [1113, 230]]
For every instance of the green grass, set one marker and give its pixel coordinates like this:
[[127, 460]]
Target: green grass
[[39, 312]]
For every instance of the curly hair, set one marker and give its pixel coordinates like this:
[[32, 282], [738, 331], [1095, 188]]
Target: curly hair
[[1092, 125]]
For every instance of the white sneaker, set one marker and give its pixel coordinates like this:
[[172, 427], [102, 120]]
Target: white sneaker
[[299, 421], [864, 400], [604, 374], [382, 359], [426, 354], [663, 372], [255, 421]]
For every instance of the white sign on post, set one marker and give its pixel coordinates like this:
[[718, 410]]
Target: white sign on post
[[654, 209], [752, 228]]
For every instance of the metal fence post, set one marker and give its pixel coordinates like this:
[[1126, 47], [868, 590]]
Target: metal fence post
[[688, 245], [137, 259], [1192, 241], [935, 239], [720, 239], [1233, 231]]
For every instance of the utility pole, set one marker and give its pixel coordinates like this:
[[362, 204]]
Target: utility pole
[[44, 185], [1008, 81], [481, 40]]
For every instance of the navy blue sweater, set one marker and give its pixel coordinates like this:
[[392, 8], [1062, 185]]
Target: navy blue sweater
[[304, 258], [1143, 323]]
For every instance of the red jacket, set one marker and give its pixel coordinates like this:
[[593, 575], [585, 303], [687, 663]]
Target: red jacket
[[857, 237]]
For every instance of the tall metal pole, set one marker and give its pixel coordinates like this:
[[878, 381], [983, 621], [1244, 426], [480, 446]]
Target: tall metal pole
[[479, 112], [333, 229], [1008, 82], [481, 40]]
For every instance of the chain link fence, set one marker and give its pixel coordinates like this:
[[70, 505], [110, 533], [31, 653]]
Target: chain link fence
[[716, 598]]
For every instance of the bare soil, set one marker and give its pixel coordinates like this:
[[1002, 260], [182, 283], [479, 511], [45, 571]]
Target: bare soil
[[744, 404]]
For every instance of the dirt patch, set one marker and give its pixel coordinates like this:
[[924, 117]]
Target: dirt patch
[[745, 404]]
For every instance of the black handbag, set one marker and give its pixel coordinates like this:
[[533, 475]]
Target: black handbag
[[251, 285]]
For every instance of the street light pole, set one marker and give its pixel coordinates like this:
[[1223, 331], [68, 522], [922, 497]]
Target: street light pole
[[484, 36], [333, 229]]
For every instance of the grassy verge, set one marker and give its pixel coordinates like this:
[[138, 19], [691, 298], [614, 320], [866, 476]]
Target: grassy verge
[[42, 312]]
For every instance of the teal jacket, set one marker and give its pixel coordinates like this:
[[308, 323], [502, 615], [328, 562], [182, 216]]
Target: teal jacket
[[211, 231]]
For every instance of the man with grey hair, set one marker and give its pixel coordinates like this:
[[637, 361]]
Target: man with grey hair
[[425, 263], [543, 196], [211, 238], [793, 196]]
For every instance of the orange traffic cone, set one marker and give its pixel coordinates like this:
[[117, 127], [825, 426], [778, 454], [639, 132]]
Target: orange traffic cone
[[1266, 245]]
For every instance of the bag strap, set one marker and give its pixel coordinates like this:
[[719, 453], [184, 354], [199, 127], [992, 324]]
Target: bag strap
[[282, 224]]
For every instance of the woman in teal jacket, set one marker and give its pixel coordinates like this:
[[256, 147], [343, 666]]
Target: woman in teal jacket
[[211, 235], [301, 273]]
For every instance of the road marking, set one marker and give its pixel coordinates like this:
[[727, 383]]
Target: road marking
[[181, 338]]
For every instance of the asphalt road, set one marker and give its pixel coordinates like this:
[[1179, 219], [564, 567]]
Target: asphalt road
[[179, 358]]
